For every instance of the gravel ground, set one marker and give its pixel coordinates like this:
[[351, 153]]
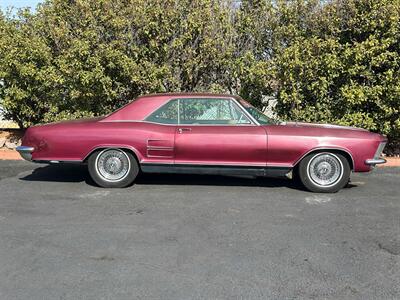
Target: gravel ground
[[196, 237]]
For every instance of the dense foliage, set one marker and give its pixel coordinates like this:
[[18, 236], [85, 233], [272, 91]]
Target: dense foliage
[[332, 61]]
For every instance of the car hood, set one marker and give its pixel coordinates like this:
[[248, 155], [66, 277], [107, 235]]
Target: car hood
[[326, 126]]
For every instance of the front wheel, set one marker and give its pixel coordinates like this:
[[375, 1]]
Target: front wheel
[[113, 168], [324, 172]]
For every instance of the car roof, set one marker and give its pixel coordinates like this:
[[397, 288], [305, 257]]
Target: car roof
[[143, 105], [189, 94]]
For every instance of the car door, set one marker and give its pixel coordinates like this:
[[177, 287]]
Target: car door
[[216, 131]]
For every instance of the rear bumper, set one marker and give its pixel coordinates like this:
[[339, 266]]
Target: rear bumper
[[375, 161], [25, 152]]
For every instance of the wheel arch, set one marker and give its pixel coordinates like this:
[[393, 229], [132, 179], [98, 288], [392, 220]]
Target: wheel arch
[[342, 151], [130, 149]]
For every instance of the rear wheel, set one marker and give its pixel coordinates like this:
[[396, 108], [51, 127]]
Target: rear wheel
[[324, 172], [113, 168]]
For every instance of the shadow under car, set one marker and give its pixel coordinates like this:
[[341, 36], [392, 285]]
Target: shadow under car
[[79, 173]]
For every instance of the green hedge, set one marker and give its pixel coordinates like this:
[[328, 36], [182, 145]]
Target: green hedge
[[325, 61]]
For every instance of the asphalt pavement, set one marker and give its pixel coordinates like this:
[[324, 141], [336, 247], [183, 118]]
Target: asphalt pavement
[[196, 237]]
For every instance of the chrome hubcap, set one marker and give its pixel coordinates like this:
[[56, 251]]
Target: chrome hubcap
[[325, 169], [113, 165]]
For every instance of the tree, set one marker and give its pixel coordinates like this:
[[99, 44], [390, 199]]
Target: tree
[[24, 69], [89, 57], [344, 66]]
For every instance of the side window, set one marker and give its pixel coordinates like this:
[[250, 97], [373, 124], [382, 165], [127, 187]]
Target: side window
[[167, 114], [211, 111]]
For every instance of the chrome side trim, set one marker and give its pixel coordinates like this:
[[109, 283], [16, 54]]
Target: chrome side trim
[[57, 161], [251, 165], [150, 122], [214, 169], [375, 161], [260, 165], [25, 152]]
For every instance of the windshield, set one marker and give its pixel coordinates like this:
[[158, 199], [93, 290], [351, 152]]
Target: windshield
[[257, 114]]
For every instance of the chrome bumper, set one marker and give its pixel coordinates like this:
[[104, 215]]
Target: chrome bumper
[[25, 152], [375, 161], [377, 157]]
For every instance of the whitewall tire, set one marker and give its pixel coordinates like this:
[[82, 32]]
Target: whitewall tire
[[113, 167], [324, 172]]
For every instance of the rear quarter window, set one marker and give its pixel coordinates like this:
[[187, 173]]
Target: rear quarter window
[[167, 114]]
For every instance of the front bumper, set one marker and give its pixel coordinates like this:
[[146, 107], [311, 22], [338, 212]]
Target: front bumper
[[377, 157], [25, 152]]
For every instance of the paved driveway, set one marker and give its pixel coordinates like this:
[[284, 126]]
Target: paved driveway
[[193, 237]]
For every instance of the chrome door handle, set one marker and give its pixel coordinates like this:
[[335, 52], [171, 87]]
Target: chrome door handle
[[181, 130]]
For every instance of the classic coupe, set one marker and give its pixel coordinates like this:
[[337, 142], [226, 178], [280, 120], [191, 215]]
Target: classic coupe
[[204, 134]]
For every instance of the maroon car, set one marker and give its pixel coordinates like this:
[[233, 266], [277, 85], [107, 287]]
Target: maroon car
[[204, 134]]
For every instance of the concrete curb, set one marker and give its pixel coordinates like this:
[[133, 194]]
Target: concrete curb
[[392, 162], [7, 154]]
